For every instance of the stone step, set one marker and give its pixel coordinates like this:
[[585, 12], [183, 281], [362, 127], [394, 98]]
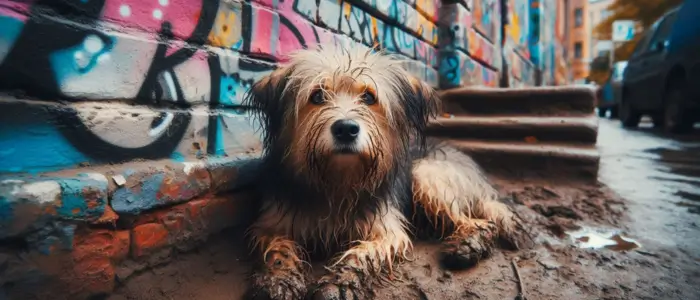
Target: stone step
[[535, 101], [521, 160], [576, 130]]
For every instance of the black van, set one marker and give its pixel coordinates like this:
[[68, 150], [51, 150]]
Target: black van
[[662, 77]]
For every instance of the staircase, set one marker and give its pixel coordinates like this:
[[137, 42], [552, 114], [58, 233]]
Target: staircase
[[546, 132]]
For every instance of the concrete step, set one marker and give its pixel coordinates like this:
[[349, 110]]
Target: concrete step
[[576, 130], [534, 101], [519, 160]]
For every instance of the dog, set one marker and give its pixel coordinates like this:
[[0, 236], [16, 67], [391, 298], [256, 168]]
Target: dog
[[347, 169]]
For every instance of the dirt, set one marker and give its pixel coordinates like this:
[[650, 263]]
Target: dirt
[[555, 267]]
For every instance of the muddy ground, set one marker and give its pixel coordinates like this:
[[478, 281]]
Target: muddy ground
[[556, 268], [648, 197]]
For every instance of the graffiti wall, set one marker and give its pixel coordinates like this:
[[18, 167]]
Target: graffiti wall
[[163, 78], [470, 38], [534, 42]]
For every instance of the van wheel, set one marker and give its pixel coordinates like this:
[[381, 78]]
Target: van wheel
[[601, 112], [629, 117], [676, 117]]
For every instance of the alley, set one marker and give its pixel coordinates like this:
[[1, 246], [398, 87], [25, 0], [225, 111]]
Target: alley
[[659, 176]]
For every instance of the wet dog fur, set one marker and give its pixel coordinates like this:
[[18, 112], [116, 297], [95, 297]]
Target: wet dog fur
[[348, 171]]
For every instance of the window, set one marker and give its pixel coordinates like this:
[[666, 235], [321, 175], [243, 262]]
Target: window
[[662, 31], [578, 17], [642, 44], [578, 50]]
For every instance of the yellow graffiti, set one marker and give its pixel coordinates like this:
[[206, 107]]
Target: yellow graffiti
[[375, 32], [347, 8], [227, 30]]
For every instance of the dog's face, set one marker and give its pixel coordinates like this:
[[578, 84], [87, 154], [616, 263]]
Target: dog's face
[[350, 113]]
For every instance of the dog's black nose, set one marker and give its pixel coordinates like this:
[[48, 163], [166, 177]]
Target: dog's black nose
[[345, 130]]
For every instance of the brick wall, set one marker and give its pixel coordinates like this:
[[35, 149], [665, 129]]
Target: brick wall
[[121, 118]]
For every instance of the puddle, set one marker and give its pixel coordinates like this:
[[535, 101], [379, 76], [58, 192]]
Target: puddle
[[591, 239]]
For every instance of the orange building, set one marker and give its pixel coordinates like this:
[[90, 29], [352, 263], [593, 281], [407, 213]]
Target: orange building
[[579, 50]]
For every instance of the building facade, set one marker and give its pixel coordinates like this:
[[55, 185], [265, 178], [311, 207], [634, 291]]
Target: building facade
[[579, 39], [597, 12]]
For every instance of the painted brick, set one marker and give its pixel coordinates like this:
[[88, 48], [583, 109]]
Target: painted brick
[[228, 175], [486, 14], [227, 31], [357, 24], [262, 30], [426, 53], [147, 238], [458, 69], [147, 189], [429, 8], [31, 203], [481, 49], [427, 29], [109, 217], [186, 224], [422, 71], [330, 13], [235, 74], [308, 9], [456, 22]]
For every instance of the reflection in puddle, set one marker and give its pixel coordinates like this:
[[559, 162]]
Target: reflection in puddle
[[596, 240]]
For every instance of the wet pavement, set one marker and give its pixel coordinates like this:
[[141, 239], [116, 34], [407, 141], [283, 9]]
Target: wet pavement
[[659, 175]]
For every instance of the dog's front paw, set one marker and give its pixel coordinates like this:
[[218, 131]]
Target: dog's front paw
[[275, 287], [342, 283], [282, 278], [468, 245]]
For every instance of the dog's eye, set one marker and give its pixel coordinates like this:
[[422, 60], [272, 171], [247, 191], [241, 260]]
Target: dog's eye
[[368, 98], [317, 98]]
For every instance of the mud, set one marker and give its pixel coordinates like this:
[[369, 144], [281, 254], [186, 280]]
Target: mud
[[636, 237], [555, 268]]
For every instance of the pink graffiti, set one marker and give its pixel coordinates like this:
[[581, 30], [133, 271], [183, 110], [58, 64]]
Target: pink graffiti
[[263, 25], [150, 15], [15, 9]]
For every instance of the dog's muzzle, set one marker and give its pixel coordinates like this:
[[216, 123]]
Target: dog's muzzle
[[345, 132]]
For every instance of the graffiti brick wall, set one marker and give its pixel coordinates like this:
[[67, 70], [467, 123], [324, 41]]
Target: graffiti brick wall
[[470, 41], [120, 118]]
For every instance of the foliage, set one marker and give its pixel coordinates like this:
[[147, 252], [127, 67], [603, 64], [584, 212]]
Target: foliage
[[644, 12], [600, 69]]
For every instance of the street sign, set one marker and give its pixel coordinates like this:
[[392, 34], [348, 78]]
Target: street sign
[[622, 31]]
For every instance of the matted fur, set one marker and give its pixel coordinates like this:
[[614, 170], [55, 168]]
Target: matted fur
[[319, 199]]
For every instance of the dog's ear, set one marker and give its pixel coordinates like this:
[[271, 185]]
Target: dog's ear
[[422, 104], [265, 100]]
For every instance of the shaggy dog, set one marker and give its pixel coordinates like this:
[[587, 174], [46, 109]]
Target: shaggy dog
[[347, 168]]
